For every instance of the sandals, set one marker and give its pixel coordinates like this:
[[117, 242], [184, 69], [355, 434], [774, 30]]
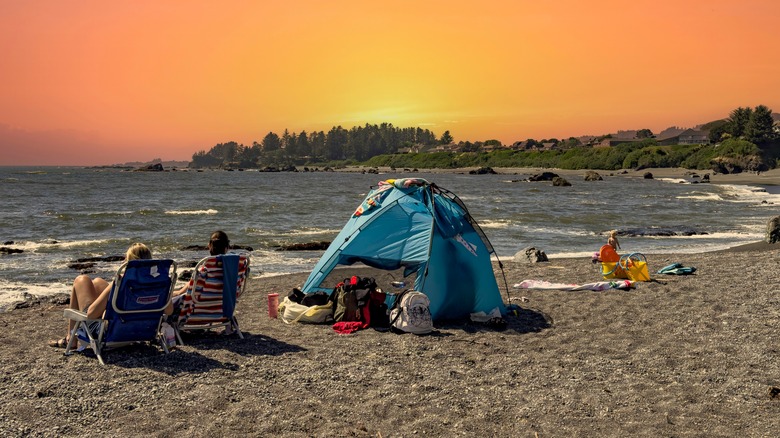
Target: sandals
[[58, 343]]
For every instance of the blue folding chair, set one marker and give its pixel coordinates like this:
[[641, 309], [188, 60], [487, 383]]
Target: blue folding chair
[[139, 294]]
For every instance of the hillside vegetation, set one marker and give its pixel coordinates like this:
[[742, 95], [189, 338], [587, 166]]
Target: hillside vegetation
[[748, 140], [731, 156]]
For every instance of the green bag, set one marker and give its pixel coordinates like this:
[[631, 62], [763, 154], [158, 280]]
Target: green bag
[[349, 298]]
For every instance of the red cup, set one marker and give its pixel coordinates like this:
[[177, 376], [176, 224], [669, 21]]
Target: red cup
[[273, 305]]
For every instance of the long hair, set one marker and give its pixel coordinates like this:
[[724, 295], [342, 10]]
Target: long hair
[[218, 243]]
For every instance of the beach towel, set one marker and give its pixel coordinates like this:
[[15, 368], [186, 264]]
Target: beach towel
[[677, 269], [598, 286]]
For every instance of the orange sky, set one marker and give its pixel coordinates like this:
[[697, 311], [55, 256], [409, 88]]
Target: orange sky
[[102, 82]]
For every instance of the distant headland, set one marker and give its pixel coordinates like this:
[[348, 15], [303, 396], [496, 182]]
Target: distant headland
[[747, 140]]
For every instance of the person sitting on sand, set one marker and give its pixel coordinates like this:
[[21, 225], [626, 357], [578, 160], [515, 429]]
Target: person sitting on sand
[[613, 241], [90, 295], [218, 244]]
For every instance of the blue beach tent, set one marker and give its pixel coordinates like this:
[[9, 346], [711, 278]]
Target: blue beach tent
[[427, 230]]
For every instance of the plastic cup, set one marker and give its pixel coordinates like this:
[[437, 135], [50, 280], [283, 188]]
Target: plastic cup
[[273, 304]]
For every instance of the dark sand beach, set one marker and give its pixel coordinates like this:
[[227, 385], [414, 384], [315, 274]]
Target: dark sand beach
[[680, 356]]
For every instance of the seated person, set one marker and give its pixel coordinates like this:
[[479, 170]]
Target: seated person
[[91, 295], [218, 244]]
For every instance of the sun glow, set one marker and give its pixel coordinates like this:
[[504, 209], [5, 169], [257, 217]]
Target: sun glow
[[104, 82]]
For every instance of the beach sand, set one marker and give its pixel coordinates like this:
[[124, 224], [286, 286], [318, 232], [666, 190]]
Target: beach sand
[[680, 356]]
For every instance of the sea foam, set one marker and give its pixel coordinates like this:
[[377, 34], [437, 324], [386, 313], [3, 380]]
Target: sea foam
[[209, 211]]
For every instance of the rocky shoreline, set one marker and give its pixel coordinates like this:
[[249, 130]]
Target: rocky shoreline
[[679, 356]]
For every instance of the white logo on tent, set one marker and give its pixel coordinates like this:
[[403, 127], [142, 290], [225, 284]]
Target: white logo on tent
[[470, 247]]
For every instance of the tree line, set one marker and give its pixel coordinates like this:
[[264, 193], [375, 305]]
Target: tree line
[[338, 144], [749, 136]]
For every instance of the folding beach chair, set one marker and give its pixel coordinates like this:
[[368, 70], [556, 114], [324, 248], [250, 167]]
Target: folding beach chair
[[139, 294], [210, 301]]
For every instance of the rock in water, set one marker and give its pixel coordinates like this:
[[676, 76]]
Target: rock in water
[[544, 176], [483, 171], [592, 176]]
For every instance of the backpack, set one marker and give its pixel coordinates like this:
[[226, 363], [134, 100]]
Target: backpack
[[411, 313], [350, 297]]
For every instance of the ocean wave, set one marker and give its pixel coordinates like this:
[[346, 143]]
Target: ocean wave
[[748, 194], [110, 213], [276, 262], [674, 180], [494, 224], [558, 231], [33, 246], [701, 196], [729, 236], [209, 211], [305, 231], [570, 255], [11, 291]]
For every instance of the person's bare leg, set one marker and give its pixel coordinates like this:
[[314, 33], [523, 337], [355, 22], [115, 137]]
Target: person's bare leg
[[98, 306], [82, 295]]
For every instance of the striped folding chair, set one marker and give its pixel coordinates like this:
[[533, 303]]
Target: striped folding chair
[[210, 301]]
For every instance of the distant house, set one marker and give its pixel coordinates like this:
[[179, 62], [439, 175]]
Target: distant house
[[625, 135], [688, 136], [490, 147], [692, 136], [669, 136], [670, 139], [452, 147], [520, 145], [609, 142], [525, 145]]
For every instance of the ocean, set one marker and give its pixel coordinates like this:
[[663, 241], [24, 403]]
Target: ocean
[[57, 215]]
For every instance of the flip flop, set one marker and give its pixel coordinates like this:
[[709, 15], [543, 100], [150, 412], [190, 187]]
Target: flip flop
[[58, 343]]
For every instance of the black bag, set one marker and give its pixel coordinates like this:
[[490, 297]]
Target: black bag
[[315, 299], [296, 295], [377, 308]]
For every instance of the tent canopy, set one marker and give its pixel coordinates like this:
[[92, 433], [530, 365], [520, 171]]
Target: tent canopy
[[412, 224]]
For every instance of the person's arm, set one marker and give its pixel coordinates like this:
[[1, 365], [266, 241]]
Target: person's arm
[[177, 293], [181, 291]]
